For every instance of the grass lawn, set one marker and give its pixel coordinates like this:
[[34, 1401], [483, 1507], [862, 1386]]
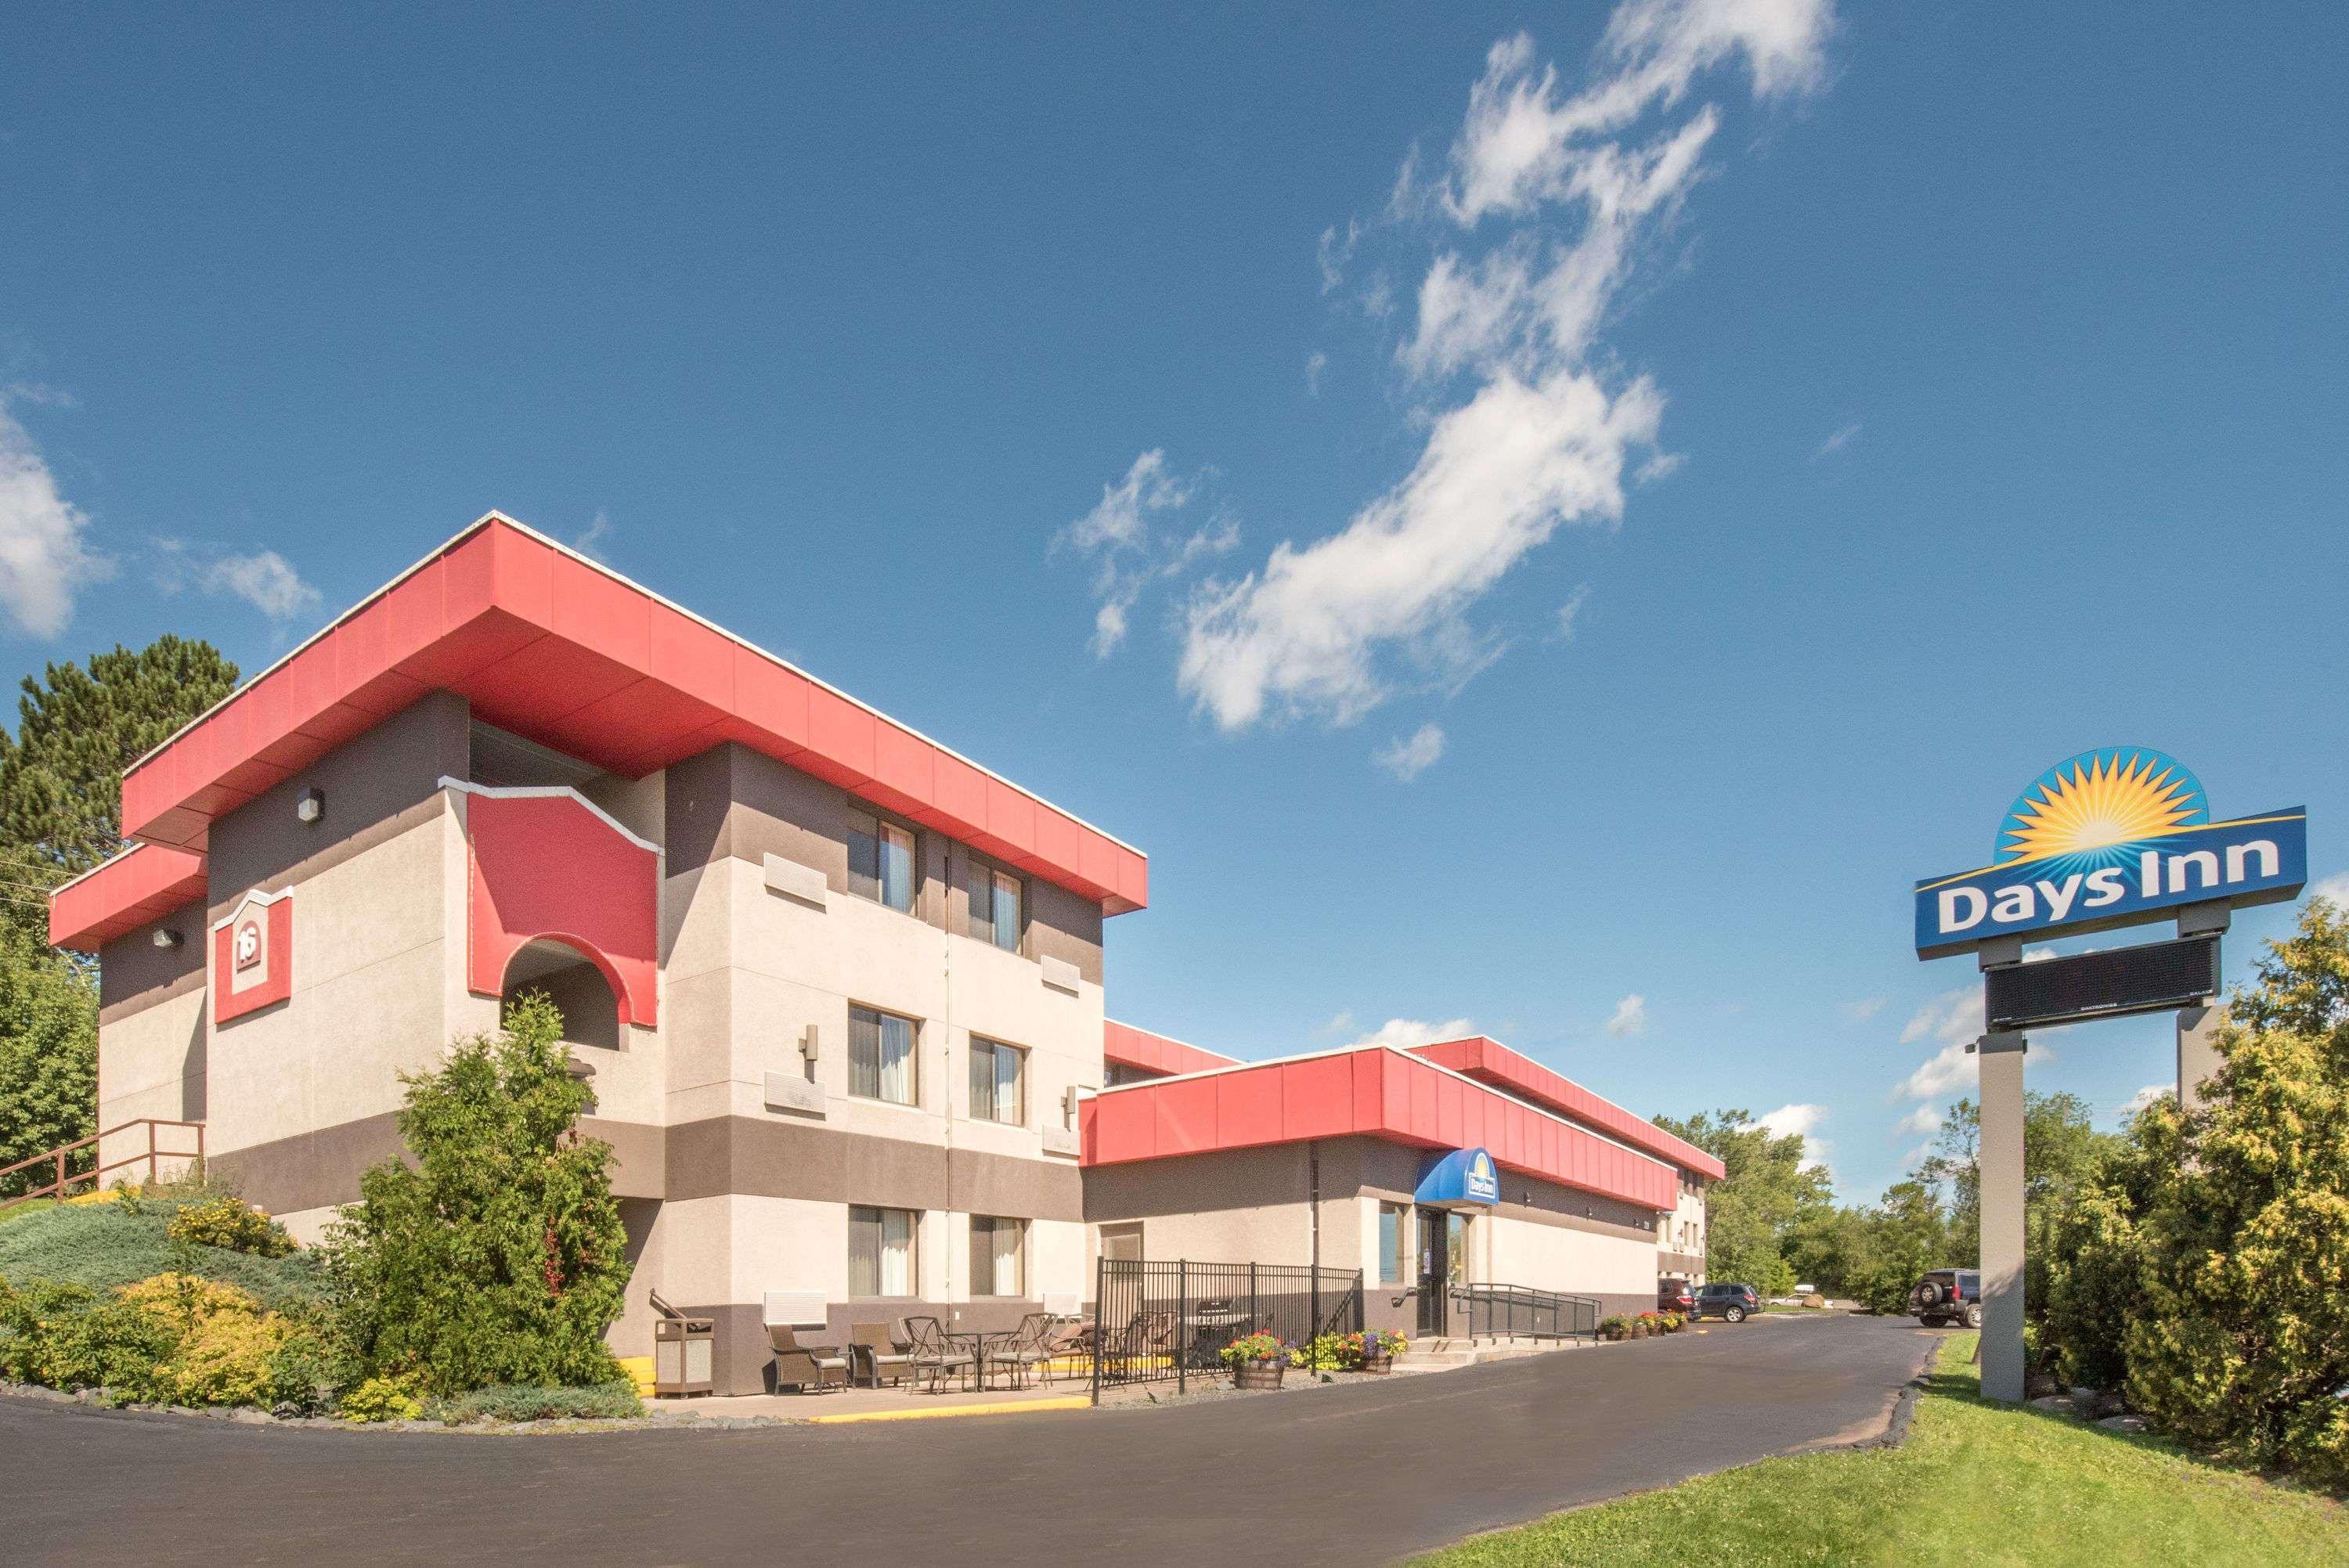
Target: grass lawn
[[29, 1206], [1975, 1484]]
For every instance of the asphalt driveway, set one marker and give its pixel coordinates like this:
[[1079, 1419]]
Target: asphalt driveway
[[1356, 1474]]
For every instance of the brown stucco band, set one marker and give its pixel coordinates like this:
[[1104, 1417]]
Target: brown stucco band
[[310, 1170], [729, 1154], [744, 1155], [125, 993]]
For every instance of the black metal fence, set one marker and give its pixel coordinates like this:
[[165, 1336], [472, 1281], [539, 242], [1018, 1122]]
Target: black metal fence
[[1520, 1312], [1169, 1322]]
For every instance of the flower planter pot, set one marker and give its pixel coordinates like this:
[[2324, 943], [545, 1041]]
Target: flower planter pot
[[1257, 1374], [1378, 1365]]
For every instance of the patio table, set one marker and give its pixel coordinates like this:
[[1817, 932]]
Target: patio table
[[978, 1339]]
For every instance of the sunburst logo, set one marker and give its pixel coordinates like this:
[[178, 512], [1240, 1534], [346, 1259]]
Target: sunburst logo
[[2101, 801]]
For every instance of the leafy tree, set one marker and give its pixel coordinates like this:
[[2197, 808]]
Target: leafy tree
[[2243, 1341], [1752, 1210], [2094, 1254], [498, 1256], [49, 1055], [77, 730]]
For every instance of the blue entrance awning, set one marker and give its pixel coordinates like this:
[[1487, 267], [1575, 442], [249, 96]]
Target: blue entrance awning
[[1462, 1177]]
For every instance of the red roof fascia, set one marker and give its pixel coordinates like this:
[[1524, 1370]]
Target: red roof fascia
[[1489, 1061], [146, 881], [1373, 1092], [1134, 1047], [547, 643]]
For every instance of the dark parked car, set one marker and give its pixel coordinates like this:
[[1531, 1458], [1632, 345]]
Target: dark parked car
[[1730, 1303], [1946, 1296], [1676, 1296]]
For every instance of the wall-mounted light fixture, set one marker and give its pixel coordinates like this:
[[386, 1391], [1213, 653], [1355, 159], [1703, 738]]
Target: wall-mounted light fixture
[[310, 805], [166, 937], [812, 1043]]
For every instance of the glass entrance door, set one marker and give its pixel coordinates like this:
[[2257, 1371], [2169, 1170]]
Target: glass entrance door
[[1434, 1270]]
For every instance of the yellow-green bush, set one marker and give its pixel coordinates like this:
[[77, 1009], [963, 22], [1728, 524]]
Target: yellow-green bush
[[228, 1222], [385, 1399]]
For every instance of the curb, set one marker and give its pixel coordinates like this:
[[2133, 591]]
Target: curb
[[995, 1408]]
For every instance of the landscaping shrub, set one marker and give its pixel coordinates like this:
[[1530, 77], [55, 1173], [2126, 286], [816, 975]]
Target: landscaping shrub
[[385, 1399], [1345, 1352], [106, 1245], [498, 1257], [603, 1402], [2241, 1342], [227, 1221], [1615, 1328]]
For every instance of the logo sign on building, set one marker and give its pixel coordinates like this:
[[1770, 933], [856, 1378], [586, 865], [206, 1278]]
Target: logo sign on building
[[2111, 838], [1463, 1177], [252, 955]]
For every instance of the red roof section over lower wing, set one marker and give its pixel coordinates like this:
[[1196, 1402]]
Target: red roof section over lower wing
[[146, 881], [1374, 1092], [1489, 1061], [550, 645], [1135, 1048]]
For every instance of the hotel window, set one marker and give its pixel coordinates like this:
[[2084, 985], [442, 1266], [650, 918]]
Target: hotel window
[[881, 1055], [879, 862], [998, 1250], [994, 902], [1394, 1236], [996, 1078], [880, 1251]]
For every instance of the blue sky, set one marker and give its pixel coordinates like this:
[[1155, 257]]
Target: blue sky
[[1558, 550]]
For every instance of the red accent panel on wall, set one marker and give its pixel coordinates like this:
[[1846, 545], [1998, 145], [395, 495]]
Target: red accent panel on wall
[[1489, 1061], [1130, 1047], [276, 982], [546, 866]]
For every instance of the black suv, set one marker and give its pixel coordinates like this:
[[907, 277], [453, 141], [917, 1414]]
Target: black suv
[[1730, 1303], [1676, 1296], [1947, 1297]]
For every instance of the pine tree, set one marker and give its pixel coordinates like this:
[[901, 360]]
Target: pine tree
[[49, 1055], [498, 1256]]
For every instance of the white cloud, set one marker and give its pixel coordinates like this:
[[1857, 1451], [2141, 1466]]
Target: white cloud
[[2037, 954], [1800, 1121], [1336, 250], [1952, 1016], [1923, 1120], [1631, 1017], [1861, 1010], [1404, 1033], [1949, 1068], [262, 578], [1569, 611], [1118, 536], [1340, 1023], [44, 554], [1837, 442], [1409, 756], [2335, 888], [1659, 466], [587, 541], [2145, 1097], [1315, 363], [1541, 440]]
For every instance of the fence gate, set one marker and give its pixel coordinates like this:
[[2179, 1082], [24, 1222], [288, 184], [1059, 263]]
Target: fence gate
[[1168, 1322]]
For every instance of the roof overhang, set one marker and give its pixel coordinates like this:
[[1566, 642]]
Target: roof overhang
[[143, 884], [557, 648], [1124, 1044], [1488, 1061]]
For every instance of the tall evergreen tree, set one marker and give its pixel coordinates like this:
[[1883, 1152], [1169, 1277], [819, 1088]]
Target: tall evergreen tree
[[49, 1055]]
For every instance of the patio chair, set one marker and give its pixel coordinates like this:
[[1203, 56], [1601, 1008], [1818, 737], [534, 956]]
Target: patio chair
[[932, 1359], [883, 1354], [804, 1366], [1026, 1351]]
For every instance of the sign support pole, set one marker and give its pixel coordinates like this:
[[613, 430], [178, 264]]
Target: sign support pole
[[2197, 1028], [2001, 1156]]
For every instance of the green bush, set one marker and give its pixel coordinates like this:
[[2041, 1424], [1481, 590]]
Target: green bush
[[603, 1402], [2241, 1342], [229, 1223], [497, 1257], [30, 1316], [1617, 1326], [385, 1399]]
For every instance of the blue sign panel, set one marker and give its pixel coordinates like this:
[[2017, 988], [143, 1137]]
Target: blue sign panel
[[2111, 838], [1463, 1176]]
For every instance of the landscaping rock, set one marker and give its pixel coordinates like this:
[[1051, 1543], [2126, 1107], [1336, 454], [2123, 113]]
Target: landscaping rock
[[2053, 1404], [2039, 1385], [2123, 1423]]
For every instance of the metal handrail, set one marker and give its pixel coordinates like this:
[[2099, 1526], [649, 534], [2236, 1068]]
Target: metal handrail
[[1516, 1311], [60, 1157]]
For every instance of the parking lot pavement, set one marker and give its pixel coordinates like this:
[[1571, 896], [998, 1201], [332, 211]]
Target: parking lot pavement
[[1354, 1474]]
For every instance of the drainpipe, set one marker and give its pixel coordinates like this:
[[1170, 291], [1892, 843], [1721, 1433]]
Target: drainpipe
[[1313, 1209]]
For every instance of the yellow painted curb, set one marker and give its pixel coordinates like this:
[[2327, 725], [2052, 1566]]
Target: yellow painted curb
[[999, 1407]]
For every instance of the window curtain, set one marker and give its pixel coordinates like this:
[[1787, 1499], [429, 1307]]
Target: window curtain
[[982, 1082], [896, 1063], [897, 867], [1008, 1235], [1007, 1084], [896, 1252], [1007, 913]]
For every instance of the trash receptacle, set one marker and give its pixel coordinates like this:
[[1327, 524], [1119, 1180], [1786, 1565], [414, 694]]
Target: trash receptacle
[[681, 1354]]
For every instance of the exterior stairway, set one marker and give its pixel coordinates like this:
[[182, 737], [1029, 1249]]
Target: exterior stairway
[[1438, 1354]]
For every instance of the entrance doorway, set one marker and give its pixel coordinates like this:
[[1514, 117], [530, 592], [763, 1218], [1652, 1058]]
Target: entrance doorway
[[1443, 1263]]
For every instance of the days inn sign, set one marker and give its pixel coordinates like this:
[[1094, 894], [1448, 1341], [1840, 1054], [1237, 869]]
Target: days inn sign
[[2111, 838]]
